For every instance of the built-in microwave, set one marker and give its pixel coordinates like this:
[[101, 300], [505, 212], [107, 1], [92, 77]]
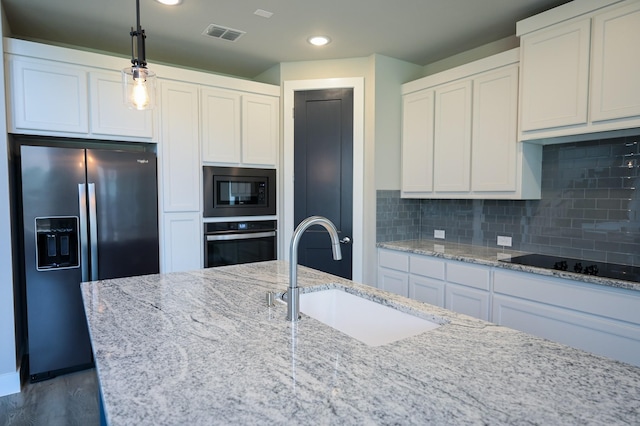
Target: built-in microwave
[[238, 191]]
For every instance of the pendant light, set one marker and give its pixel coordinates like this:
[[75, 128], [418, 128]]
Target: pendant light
[[138, 82]]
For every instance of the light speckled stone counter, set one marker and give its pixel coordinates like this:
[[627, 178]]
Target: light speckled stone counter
[[202, 348], [491, 257]]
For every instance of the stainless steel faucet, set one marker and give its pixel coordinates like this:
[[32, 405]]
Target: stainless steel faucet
[[293, 304]]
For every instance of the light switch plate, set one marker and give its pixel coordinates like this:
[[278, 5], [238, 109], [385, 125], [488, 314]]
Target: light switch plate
[[438, 233], [504, 241]]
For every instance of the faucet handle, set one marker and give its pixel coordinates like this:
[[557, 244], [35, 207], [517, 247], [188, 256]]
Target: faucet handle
[[345, 240]]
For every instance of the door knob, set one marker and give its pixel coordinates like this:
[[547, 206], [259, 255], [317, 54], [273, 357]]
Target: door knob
[[345, 240]]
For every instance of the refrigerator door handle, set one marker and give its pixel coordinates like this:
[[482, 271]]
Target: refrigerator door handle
[[84, 246], [93, 231]]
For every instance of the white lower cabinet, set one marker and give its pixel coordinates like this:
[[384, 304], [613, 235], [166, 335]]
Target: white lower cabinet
[[426, 282], [393, 268], [599, 319], [468, 301], [602, 320], [182, 242], [393, 281], [468, 289], [426, 290], [459, 286]]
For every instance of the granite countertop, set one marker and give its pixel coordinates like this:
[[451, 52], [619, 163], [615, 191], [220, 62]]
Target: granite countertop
[[491, 257], [203, 348]]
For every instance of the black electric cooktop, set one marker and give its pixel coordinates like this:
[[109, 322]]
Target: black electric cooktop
[[587, 267]]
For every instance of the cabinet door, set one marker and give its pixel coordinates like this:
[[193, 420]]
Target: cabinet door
[[468, 301], [109, 115], [48, 96], [494, 146], [260, 130], [555, 72], [221, 139], [393, 281], [452, 146], [417, 142], [427, 290], [180, 163], [182, 242], [616, 64]]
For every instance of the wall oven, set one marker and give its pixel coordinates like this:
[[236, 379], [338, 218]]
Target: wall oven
[[232, 243], [238, 191]]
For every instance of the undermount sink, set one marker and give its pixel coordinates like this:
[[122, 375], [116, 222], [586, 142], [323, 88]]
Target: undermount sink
[[365, 320]]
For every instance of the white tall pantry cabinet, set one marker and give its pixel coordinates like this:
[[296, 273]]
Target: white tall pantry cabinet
[[180, 192]]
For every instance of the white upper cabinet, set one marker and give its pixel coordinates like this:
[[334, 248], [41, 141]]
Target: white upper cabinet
[[459, 135], [221, 120], [46, 96], [109, 114], [452, 148], [616, 64], [417, 142], [260, 130], [59, 99], [579, 70], [239, 129], [555, 76], [495, 115]]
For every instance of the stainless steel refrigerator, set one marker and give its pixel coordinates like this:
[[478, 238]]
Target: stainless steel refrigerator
[[87, 214]]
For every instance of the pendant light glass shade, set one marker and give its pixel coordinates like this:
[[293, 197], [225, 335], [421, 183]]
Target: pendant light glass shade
[[139, 86], [138, 82]]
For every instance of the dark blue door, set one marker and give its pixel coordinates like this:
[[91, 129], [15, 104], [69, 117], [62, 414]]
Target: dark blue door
[[323, 174]]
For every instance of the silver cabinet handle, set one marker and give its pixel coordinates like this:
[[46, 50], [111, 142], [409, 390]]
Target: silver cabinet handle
[[345, 240], [245, 236]]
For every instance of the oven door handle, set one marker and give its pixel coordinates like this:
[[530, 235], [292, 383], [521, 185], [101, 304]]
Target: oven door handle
[[242, 236]]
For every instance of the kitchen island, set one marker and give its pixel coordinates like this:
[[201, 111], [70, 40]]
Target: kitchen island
[[203, 347]]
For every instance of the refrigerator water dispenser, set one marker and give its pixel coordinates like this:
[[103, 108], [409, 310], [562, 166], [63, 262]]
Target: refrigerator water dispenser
[[57, 243]]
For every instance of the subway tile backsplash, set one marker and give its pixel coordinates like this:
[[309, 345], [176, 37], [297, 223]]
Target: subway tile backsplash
[[589, 208]]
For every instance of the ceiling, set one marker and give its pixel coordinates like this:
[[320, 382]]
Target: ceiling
[[417, 31]]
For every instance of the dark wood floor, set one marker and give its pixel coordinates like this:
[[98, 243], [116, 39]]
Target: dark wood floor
[[66, 400]]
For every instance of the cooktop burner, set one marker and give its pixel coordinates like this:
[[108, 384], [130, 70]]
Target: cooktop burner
[[587, 267]]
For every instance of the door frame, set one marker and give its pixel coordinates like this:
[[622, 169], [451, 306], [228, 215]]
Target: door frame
[[286, 200]]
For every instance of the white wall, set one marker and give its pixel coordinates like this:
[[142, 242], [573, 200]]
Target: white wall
[[484, 51], [390, 74], [9, 374]]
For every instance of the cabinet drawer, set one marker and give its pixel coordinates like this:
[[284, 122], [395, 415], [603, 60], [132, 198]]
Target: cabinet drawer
[[465, 274], [616, 303], [427, 267], [393, 260]]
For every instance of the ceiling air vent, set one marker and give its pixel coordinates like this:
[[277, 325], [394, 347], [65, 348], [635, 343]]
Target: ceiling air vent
[[224, 33]]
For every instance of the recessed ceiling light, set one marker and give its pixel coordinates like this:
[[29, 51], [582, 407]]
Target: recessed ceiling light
[[170, 2], [319, 40]]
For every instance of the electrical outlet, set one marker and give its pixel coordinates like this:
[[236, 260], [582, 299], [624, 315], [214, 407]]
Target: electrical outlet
[[504, 241], [438, 233]]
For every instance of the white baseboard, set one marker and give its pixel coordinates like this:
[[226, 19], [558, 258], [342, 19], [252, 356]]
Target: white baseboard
[[10, 383]]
